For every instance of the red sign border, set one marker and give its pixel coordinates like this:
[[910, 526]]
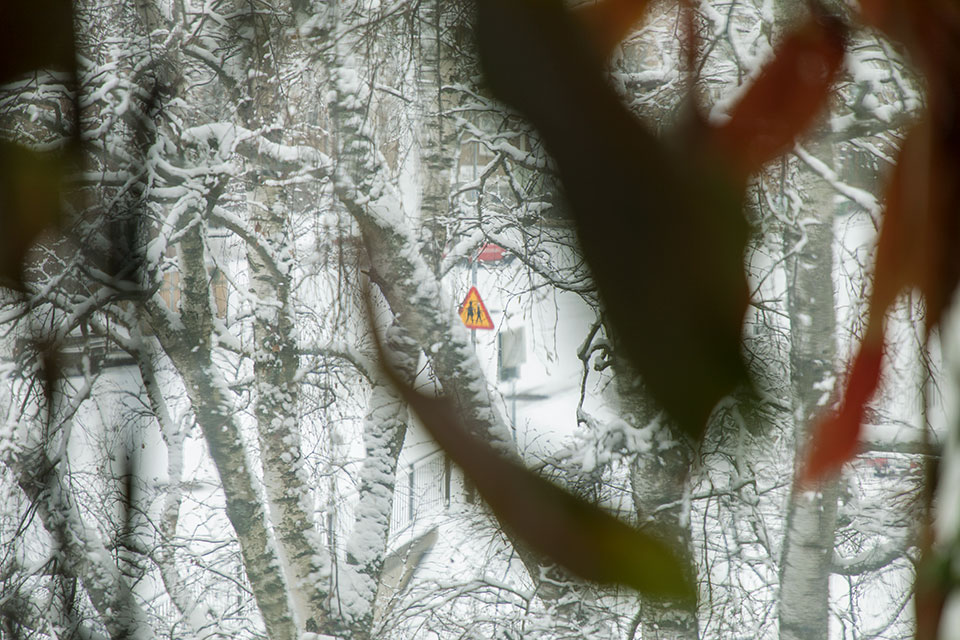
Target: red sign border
[[483, 308]]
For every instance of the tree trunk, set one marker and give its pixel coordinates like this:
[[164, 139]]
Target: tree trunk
[[80, 552], [438, 143], [811, 515], [403, 276], [276, 364], [658, 484], [384, 428], [173, 437], [189, 348]]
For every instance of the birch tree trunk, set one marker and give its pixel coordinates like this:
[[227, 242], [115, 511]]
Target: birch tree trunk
[[402, 274], [276, 366], [811, 515], [384, 428], [811, 519], [190, 349], [438, 143], [40, 470], [658, 483], [173, 437]]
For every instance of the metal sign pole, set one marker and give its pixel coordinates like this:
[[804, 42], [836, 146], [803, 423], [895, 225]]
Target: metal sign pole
[[473, 278]]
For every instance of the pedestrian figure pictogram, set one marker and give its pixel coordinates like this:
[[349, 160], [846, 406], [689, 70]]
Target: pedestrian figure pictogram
[[473, 312]]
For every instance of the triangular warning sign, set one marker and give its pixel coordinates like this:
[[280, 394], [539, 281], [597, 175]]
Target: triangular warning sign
[[473, 312]]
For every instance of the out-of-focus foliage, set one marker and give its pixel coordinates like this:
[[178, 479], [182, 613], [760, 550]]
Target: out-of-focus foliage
[[917, 246], [29, 203], [645, 204], [35, 36], [921, 224], [580, 536]]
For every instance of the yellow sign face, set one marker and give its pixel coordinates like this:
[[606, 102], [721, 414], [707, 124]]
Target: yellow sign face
[[473, 312]]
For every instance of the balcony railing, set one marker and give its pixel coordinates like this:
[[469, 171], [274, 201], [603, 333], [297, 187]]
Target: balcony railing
[[422, 490]]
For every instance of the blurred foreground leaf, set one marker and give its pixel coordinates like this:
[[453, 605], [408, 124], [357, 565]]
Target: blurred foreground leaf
[[34, 36], [659, 220], [786, 97], [933, 583], [30, 184], [577, 535], [607, 23], [836, 437], [916, 247]]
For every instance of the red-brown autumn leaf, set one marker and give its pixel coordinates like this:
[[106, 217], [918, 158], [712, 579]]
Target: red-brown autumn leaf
[[786, 97], [917, 243], [906, 229], [922, 220], [916, 247], [922, 217], [837, 435]]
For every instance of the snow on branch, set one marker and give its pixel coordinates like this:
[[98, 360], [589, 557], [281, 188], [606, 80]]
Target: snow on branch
[[865, 199]]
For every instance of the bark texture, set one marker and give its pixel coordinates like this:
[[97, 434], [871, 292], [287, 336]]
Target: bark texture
[[275, 366], [658, 483], [384, 428], [190, 349], [811, 515]]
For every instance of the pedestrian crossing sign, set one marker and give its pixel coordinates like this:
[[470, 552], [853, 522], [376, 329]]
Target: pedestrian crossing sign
[[473, 312]]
